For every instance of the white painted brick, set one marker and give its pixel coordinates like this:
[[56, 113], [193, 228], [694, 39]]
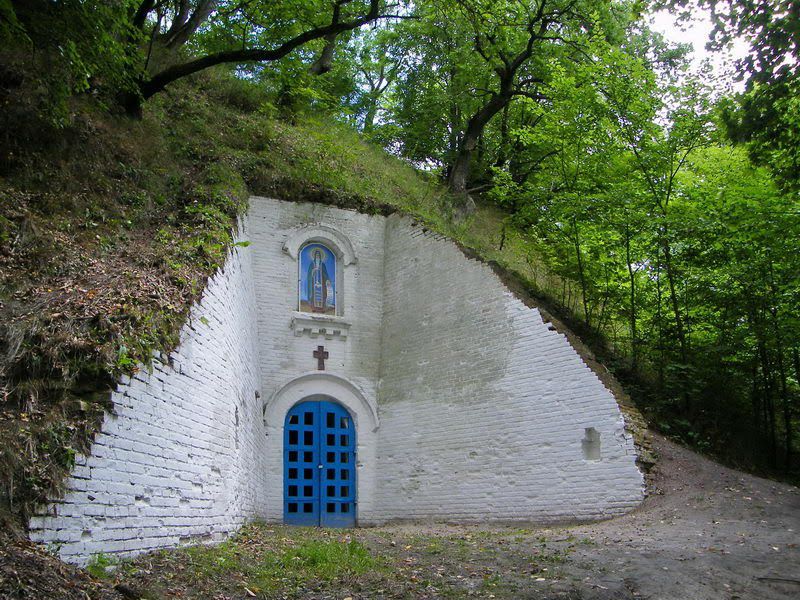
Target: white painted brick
[[481, 406]]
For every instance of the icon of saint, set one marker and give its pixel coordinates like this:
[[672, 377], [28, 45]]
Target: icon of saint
[[318, 283]]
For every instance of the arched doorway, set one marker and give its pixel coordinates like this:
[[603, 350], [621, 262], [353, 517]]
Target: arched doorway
[[319, 487]]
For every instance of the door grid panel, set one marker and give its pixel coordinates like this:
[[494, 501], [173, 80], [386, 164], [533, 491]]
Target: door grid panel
[[319, 465]]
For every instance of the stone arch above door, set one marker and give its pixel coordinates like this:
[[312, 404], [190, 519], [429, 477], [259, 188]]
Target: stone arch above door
[[365, 415], [313, 383]]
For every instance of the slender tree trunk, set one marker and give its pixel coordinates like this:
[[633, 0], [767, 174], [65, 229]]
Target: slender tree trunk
[[676, 311], [779, 349], [604, 302], [569, 297], [796, 357], [369, 115], [674, 300], [632, 296], [581, 275], [660, 319], [755, 399], [769, 404]]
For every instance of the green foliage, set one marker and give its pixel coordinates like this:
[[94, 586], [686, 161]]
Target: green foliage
[[78, 45], [606, 191], [327, 560], [667, 244], [295, 564], [765, 116], [101, 565]]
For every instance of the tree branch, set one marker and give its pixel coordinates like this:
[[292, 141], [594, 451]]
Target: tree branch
[[159, 81], [140, 16], [200, 14]]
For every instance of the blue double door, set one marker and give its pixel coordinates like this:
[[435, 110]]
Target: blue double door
[[319, 487]]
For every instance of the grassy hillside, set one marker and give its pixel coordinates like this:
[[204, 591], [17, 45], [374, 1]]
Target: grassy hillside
[[110, 227]]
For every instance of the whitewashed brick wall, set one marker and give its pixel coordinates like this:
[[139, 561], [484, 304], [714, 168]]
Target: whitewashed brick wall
[[284, 355], [181, 460], [484, 408], [468, 406]]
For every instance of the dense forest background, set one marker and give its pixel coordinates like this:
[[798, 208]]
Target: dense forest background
[[652, 208]]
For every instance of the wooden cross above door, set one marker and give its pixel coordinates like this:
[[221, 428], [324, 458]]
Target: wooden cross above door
[[320, 354]]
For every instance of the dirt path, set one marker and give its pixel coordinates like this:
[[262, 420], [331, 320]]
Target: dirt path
[[712, 532]]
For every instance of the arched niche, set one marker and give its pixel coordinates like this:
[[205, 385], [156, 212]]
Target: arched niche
[[318, 325], [324, 234]]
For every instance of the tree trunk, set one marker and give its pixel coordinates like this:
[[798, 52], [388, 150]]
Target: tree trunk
[[581, 275], [779, 349], [459, 171], [369, 115], [632, 312], [131, 103], [676, 307], [769, 404], [660, 320], [501, 153], [676, 311], [325, 61]]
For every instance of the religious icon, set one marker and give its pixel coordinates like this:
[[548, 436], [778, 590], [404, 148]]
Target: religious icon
[[317, 280]]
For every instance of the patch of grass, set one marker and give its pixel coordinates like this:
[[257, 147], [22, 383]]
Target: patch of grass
[[434, 547], [325, 560], [291, 563], [213, 561], [102, 565]]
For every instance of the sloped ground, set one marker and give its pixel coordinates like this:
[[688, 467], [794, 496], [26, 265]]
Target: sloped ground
[[707, 532], [30, 572]]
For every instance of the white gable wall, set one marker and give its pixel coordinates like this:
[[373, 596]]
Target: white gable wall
[[286, 358], [483, 407]]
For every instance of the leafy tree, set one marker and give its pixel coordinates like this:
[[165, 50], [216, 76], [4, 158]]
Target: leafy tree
[[478, 57], [147, 45], [765, 116], [380, 55]]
